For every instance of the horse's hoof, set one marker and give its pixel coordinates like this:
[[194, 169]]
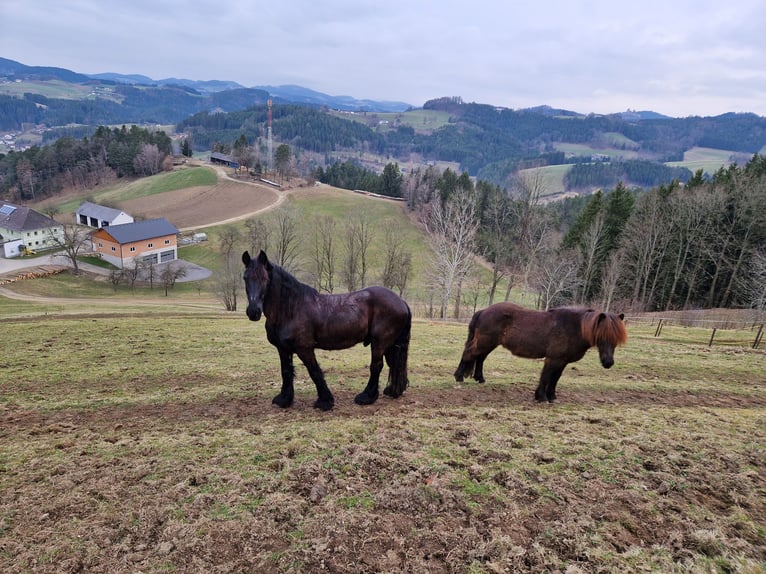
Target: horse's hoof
[[281, 401], [458, 378], [389, 392], [365, 399], [324, 405], [481, 380]]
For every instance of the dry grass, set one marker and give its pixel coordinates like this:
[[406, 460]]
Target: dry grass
[[147, 442]]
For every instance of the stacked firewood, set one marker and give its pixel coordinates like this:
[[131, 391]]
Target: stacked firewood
[[32, 275]]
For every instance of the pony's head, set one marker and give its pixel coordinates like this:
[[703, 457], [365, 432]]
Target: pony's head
[[256, 283], [605, 331]]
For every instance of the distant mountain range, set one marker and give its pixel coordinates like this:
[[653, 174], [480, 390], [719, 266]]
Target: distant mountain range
[[487, 141], [294, 94]]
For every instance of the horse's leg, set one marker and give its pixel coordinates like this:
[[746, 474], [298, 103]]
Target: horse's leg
[[325, 400], [546, 389], [478, 370], [370, 393], [285, 398]]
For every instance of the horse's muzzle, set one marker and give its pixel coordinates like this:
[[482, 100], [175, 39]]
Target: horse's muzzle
[[253, 313], [607, 362]]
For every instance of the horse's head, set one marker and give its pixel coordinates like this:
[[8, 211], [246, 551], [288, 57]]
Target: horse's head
[[609, 332], [256, 283]]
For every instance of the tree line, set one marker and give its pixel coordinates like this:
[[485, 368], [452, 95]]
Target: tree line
[[698, 245], [110, 153]]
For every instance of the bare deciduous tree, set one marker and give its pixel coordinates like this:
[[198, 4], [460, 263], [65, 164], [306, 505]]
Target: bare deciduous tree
[[555, 275], [451, 230], [72, 241], [148, 161], [323, 253], [227, 281], [398, 262], [358, 237], [170, 274], [284, 230], [257, 235]]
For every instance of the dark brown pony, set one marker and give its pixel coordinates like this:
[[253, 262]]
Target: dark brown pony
[[561, 336], [299, 319]]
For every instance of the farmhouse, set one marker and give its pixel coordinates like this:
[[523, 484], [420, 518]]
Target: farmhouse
[[150, 241], [24, 229], [93, 215]]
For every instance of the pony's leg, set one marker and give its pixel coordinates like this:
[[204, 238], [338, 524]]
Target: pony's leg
[[465, 367], [370, 393], [478, 371], [325, 400], [546, 389], [285, 398]]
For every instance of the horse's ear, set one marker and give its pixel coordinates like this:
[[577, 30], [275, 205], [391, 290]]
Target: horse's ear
[[246, 258], [621, 316], [264, 260]]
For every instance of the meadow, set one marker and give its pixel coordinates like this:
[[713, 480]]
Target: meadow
[[139, 435]]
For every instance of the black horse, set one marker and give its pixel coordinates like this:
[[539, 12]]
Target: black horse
[[299, 319]]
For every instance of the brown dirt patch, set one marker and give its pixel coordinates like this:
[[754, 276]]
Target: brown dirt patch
[[202, 206]]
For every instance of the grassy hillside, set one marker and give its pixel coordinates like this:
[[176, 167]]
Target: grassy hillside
[[144, 440]]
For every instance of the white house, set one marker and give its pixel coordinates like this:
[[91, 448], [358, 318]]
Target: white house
[[21, 225], [96, 216]]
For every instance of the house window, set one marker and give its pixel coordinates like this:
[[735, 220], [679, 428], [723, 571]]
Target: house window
[[114, 248], [100, 244], [167, 242], [132, 249], [150, 245]]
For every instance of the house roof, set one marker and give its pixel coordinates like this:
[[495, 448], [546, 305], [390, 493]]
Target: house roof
[[19, 218], [101, 212], [140, 230]]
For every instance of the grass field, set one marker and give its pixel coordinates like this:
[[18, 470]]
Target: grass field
[[142, 438]]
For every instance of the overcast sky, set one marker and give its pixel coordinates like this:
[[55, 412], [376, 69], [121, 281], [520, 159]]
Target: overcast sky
[[676, 57]]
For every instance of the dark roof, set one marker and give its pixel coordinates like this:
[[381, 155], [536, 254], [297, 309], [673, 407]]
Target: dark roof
[[101, 212], [140, 230], [20, 218]]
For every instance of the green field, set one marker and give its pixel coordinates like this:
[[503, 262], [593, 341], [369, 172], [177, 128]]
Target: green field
[[139, 436], [422, 121], [707, 159], [143, 187]]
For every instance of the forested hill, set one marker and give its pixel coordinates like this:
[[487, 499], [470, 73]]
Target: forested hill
[[486, 141], [492, 143]]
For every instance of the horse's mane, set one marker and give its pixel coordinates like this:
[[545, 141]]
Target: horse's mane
[[610, 329], [290, 291]]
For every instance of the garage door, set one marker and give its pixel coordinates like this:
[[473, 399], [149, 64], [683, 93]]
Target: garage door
[[167, 256]]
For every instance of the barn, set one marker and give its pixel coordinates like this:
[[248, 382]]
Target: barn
[[94, 215], [150, 241]]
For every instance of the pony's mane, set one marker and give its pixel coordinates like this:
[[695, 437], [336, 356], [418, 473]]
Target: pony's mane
[[290, 290], [610, 330]]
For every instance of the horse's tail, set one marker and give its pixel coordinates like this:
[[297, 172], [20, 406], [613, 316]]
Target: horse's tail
[[396, 357], [466, 366], [472, 328]]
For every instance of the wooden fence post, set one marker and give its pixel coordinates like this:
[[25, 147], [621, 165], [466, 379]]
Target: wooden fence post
[[758, 337], [710, 344]]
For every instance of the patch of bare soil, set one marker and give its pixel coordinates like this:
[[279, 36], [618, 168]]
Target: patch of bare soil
[[382, 500], [202, 206]]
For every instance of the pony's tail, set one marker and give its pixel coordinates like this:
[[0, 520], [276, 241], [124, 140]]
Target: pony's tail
[[465, 368], [396, 357]]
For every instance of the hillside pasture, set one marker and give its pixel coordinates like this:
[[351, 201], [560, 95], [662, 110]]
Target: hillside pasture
[[709, 160], [145, 440]]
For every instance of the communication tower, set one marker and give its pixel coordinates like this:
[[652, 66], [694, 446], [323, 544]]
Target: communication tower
[[269, 141]]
